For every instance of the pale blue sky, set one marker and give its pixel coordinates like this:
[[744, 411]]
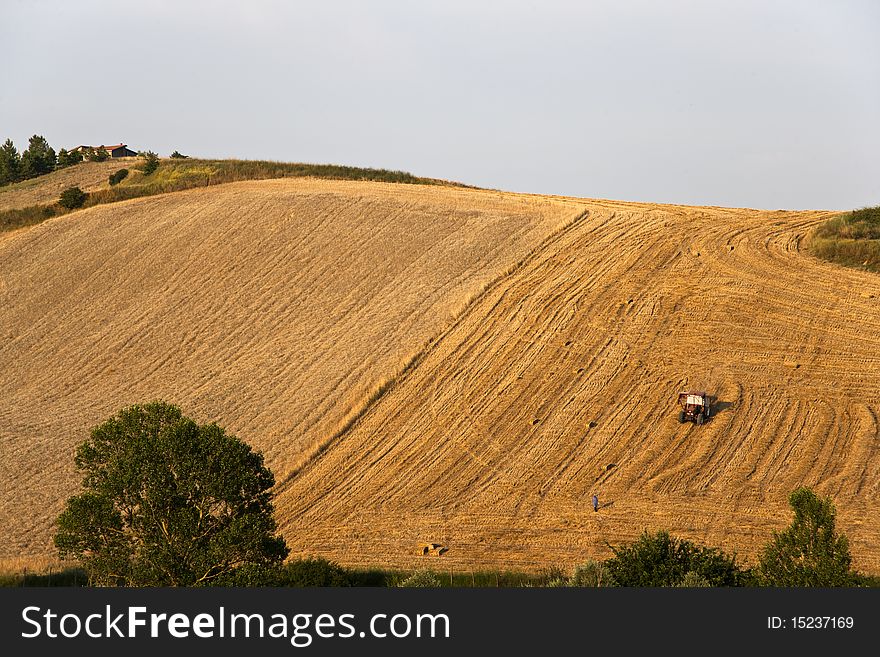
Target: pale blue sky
[[759, 104]]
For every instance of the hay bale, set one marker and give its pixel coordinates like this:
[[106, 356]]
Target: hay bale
[[435, 549]]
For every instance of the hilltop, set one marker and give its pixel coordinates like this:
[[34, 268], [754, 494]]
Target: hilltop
[[35, 200]]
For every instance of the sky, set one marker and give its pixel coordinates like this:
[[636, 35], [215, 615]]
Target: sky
[[766, 104]]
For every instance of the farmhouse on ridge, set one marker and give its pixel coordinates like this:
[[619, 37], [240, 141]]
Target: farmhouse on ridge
[[119, 150]]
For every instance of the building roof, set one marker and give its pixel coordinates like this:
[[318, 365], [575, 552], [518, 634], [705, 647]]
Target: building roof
[[108, 148]]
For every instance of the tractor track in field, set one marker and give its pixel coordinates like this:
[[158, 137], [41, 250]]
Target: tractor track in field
[[574, 364], [275, 308]]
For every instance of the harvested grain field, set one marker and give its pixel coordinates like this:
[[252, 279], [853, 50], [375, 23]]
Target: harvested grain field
[[562, 381], [45, 190], [276, 308], [475, 364]]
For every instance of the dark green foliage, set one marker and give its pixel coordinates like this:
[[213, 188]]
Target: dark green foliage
[[118, 177], [314, 571], [38, 159], [168, 502], [863, 580], [99, 154], [179, 156], [72, 198], [663, 560], [809, 552], [151, 162], [67, 158], [10, 163]]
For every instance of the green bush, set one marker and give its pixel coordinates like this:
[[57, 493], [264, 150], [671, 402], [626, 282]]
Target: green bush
[[592, 574], [118, 177], [151, 163], [314, 571], [692, 580], [179, 156], [663, 560], [72, 198]]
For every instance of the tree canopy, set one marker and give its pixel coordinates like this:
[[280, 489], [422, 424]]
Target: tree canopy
[[168, 502], [10, 163], [809, 552], [38, 159], [663, 560]]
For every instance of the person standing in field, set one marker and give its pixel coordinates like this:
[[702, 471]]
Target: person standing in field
[[595, 502]]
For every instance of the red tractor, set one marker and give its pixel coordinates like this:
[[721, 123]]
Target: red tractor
[[695, 406]]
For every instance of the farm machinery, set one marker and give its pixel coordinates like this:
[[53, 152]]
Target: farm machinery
[[696, 406]]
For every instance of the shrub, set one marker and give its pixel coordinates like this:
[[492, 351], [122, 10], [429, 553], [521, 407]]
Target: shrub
[[179, 156], [692, 580], [314, 571], [72, 198], [119, 176], [809, 552], [556, 583], [663, 560], [421, 579], [151, 162], [592, 574]]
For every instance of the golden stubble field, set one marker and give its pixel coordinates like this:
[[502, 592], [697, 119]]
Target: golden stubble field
[[276, 308], [529, 348], [562, 380]]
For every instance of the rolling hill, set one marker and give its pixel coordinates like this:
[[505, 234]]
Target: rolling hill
[[452, 365], [276, 308]]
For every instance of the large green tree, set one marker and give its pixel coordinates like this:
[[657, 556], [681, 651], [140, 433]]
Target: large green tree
[[38, 159], [169, 502], [810, 552], [10, 163]]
